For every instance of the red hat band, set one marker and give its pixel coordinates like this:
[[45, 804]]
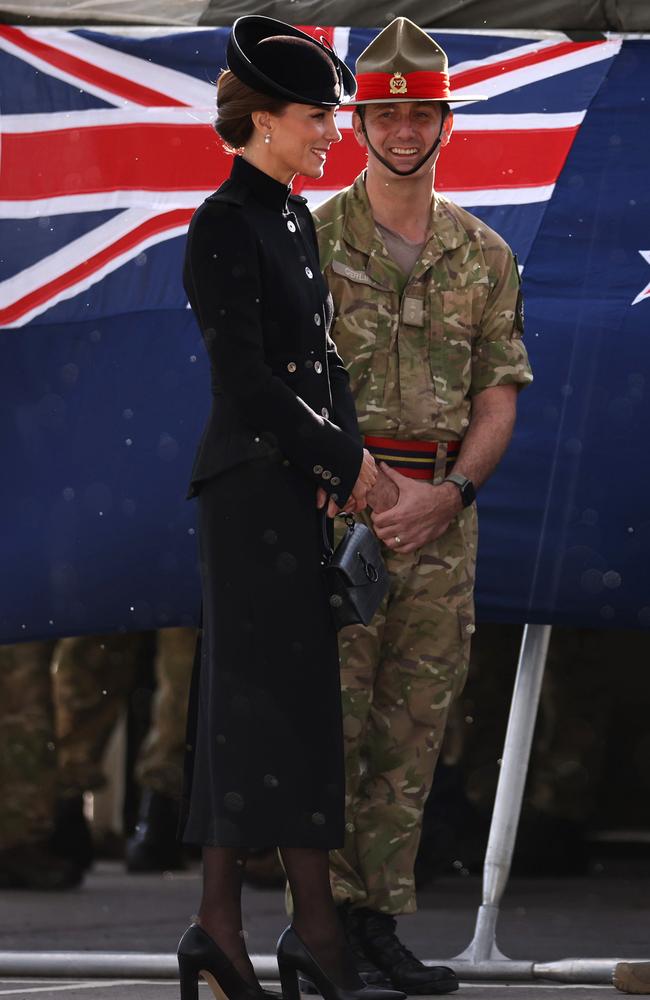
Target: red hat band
[[416, 86]]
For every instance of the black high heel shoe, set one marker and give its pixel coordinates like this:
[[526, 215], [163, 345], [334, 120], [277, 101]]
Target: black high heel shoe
[[295, 957], [198, 955]]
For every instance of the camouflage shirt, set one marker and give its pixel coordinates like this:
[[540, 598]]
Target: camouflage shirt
[[416, 357]]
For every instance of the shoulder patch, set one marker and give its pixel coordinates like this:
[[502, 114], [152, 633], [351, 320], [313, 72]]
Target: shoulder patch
[[519, 308]]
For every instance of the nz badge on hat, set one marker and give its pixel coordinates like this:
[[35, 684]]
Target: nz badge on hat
[[404, 64]]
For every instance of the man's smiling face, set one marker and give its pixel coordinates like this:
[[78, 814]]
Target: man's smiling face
[[403, 131]]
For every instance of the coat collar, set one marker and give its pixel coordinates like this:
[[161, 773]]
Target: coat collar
[[246, 180]]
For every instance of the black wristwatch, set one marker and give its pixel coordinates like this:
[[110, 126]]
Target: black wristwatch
[[465, 486]]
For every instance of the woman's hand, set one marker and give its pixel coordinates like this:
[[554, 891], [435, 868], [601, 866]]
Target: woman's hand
[[365, 481], [358, 498], [322, 498]]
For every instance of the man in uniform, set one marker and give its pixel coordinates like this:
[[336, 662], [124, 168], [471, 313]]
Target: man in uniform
[[93, 678], [428, 320], [28, 768]]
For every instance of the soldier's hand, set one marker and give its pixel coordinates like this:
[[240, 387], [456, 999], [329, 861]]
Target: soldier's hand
[[421, 514], [384, 494]]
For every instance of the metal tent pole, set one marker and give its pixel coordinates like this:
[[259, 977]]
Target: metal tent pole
[[107, 965], [507, 804], [151, 965], [482, 959]]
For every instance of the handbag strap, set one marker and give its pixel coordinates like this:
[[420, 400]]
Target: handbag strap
[[328, 550]]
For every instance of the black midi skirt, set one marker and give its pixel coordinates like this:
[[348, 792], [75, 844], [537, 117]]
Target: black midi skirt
[[264, 762]]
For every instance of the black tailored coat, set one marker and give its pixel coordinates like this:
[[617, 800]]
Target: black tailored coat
[[264, 760], [277, 379]]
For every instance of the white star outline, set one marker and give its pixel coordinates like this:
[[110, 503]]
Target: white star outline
[[646, 291]]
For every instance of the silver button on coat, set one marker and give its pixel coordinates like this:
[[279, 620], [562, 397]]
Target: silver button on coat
[[318, 367], [309, 272], [291, 226], [291, 367]]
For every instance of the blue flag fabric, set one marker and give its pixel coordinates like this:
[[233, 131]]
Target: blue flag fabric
[[104, 384]]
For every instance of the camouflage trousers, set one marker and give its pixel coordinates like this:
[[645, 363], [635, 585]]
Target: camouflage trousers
[[59, 703], [399, 677], [160, 762], [27, 748], [94, 676]]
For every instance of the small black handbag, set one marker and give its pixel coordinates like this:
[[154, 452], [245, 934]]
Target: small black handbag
[[357, 578]]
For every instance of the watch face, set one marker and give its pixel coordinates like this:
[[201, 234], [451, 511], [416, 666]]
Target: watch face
[[468, 493], [466, 487]]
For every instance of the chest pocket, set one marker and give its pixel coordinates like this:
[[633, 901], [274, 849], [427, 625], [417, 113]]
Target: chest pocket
[[455, 320], [363, 326]]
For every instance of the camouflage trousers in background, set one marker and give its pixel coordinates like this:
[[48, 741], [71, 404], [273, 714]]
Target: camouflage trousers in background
[[27, 749], [160, 762], [59, 702], [399, 677], [94, 676]]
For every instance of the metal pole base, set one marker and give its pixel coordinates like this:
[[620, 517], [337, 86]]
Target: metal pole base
[[587, 971], [482, 948]]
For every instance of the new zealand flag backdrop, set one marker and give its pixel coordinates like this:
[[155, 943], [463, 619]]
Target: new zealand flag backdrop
[[104, 387]]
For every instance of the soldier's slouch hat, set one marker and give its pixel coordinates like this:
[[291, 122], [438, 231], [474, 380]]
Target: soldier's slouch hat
[[281, 61], [402, 63]]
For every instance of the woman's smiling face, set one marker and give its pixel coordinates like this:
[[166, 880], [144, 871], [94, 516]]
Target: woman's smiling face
[[300, 139]]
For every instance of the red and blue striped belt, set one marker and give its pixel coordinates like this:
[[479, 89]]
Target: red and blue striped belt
[[427, 460]]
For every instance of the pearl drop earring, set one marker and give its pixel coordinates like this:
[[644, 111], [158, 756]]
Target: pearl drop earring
[[267, 138]]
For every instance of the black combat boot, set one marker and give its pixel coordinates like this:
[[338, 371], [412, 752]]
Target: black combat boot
[[368, 971], [380, 943], [35, 866], [72, 838], [154, 846]]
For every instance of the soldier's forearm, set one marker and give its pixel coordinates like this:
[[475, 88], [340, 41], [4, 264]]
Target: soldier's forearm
[[488, 435]]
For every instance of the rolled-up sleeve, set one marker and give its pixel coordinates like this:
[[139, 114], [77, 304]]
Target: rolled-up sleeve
[[499, 356]]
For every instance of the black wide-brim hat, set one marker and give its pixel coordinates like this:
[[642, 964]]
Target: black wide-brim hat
[[304, 74]]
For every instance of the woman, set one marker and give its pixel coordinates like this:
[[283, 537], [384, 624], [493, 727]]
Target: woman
[[265, 761]]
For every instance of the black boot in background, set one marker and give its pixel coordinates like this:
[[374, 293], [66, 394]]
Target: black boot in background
[[72, 838], [154, 847], [37, 867]]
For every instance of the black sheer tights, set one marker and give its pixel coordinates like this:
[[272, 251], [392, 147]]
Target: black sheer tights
[[315, 919], [314, 915], [220, 909]]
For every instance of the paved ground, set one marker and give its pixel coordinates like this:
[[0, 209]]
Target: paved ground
[[542, 920]]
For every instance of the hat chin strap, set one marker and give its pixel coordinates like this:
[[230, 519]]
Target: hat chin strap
[[393, 170]]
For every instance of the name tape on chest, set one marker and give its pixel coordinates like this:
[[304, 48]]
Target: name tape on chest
[[359, 276]]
